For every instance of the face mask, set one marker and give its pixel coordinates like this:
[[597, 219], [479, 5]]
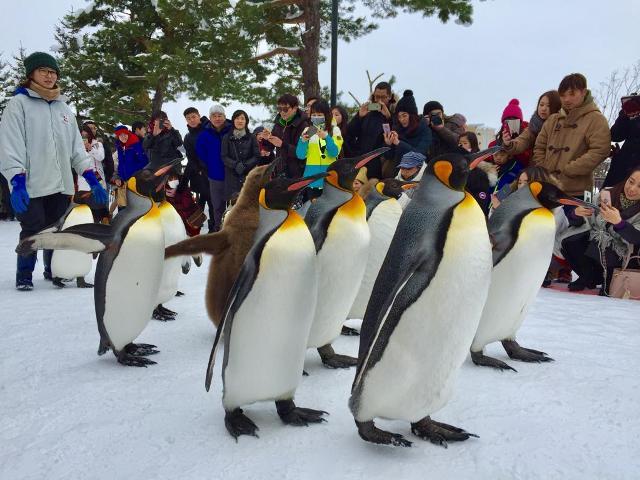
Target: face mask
[[317, 121], [173, 183]]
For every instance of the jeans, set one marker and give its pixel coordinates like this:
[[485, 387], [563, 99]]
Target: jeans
[[216, 190]]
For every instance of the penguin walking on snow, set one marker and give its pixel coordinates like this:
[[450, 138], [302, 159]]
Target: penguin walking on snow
[[265, 332], [67, 264], [424, 309], [383, 215], [338, 224], [129, 268], [523, 232]]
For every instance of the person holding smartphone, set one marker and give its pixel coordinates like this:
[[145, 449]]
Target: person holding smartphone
[[599, 241], [162, 140], [445, 129], [365, 130], [319, 145], [625, 129]]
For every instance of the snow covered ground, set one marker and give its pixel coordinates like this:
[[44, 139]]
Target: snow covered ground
[[67, 413]]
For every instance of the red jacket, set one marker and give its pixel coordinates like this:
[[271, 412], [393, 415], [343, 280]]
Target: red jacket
[[185, 205]]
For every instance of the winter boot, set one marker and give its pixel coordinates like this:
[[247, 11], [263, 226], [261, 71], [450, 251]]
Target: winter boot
[[24, 271]]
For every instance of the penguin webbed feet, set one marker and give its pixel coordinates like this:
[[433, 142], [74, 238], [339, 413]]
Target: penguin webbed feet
[[439, 433], [82, 283], [478, 358], [349, 332], [141, 349], [331, 359], [290, 414], [516, 352], [163, 314], [238, 423], [370, 433], [131, 360]]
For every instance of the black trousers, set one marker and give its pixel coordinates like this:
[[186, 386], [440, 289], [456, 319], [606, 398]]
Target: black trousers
[[41, 213]]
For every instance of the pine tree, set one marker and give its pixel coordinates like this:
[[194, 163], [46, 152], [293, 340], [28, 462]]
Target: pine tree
[[11, 75]]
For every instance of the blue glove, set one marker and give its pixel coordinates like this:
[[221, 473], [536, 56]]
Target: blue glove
[[99, 193], [19, 195]]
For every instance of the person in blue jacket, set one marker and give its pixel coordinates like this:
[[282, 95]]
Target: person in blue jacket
[[131, 156], [39, 145], [209, 150]]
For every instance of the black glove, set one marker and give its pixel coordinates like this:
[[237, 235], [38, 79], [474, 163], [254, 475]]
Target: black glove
[[240, 168]]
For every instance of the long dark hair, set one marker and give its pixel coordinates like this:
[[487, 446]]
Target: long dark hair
[[618, 190], [322, 106], [90, 136], [345, 118], [473, 140], [554, 101]]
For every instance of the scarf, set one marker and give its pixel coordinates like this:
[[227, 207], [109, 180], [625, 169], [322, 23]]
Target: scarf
[[49, 94], [238, 134], [535, 124], [626, 203]]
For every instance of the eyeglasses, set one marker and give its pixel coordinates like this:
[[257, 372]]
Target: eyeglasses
[[283, 108], [47, 72]]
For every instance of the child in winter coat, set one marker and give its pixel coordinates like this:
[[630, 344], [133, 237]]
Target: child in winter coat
[[181, 197], [131, 158]]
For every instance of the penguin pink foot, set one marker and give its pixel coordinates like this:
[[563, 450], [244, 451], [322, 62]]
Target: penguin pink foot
[[439, 433], [516, 352], [478, 358], [370, 433], [331, 359], [238, 423], [298, 416]]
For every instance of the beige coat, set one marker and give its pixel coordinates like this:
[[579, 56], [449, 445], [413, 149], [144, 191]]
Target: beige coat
[[571, 145]]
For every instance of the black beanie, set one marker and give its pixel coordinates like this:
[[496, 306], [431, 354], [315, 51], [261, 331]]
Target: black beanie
[[407, 103], [432, 105]]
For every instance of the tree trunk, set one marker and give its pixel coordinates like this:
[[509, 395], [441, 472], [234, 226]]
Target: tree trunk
[[309, 58], [158, 95]]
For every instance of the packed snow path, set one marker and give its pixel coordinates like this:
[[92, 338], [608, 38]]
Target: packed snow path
[[67, 413]]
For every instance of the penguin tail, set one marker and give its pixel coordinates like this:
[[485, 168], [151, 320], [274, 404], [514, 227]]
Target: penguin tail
[[212, 244]]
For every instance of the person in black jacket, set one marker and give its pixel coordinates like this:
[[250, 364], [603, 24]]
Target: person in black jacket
[[162, 140], [627, 158], [365, 132], [289, 125], [195, 173], [240, 153]]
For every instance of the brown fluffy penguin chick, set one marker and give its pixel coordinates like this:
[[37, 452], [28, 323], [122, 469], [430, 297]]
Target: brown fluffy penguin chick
[[230, 245]]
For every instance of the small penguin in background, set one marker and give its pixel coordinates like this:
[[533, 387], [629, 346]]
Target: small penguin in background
[[230, 245], [337, 221], [67, 264], [522, 231], [383, 215], [129, 269], [424, 309], [265, 333]]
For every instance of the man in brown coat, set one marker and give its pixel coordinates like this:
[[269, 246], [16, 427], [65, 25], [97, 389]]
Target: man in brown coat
[[574, 141]]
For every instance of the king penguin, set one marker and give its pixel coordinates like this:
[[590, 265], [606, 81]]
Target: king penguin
[[338, 224], [265, 332], [424, 309], [67, 264], [383, 215], [522, 230], [129, 269]]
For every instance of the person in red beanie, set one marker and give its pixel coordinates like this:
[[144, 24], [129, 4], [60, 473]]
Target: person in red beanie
[[512, 122]]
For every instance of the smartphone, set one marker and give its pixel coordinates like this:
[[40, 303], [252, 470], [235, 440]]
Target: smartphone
[[631, 105], [435, 119], [386, 128], [605, 197], [513, 124], [311, 131], [373, 107]]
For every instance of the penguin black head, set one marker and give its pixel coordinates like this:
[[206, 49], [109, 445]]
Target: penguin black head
[[280, 193], [393, 188], [451, 169], [150, 180], [343, 172], [551, 196]]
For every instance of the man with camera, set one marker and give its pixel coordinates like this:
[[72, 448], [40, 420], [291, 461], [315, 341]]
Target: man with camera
[[446, 130], [365, 131]]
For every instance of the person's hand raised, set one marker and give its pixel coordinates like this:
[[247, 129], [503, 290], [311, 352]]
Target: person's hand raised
[[610, 214]]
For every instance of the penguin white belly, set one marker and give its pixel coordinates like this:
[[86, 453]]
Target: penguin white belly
[[341, 264], [516, 280], [415, 375], [70, 264], [382, 225], [174, 232], [132, 286], [268, 337]]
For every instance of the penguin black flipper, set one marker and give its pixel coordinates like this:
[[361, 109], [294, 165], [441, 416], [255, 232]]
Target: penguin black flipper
[[87, 238], [241, 288]]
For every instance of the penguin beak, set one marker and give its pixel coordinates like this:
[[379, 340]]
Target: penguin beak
[[272, 167], [305, 182], [476, 158], [574, 202], [366, 158], [409, 185], [165, 168]]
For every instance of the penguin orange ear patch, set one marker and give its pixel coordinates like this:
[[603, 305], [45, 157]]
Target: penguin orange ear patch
[[536, 188], [443, 170], [332, 178]]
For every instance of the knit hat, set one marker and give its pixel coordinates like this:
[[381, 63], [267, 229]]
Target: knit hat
[[121, 129], [512, 111], [412, 160], [362, 175], [430, 106], [216, 108], [40, 59], [407, 103]]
